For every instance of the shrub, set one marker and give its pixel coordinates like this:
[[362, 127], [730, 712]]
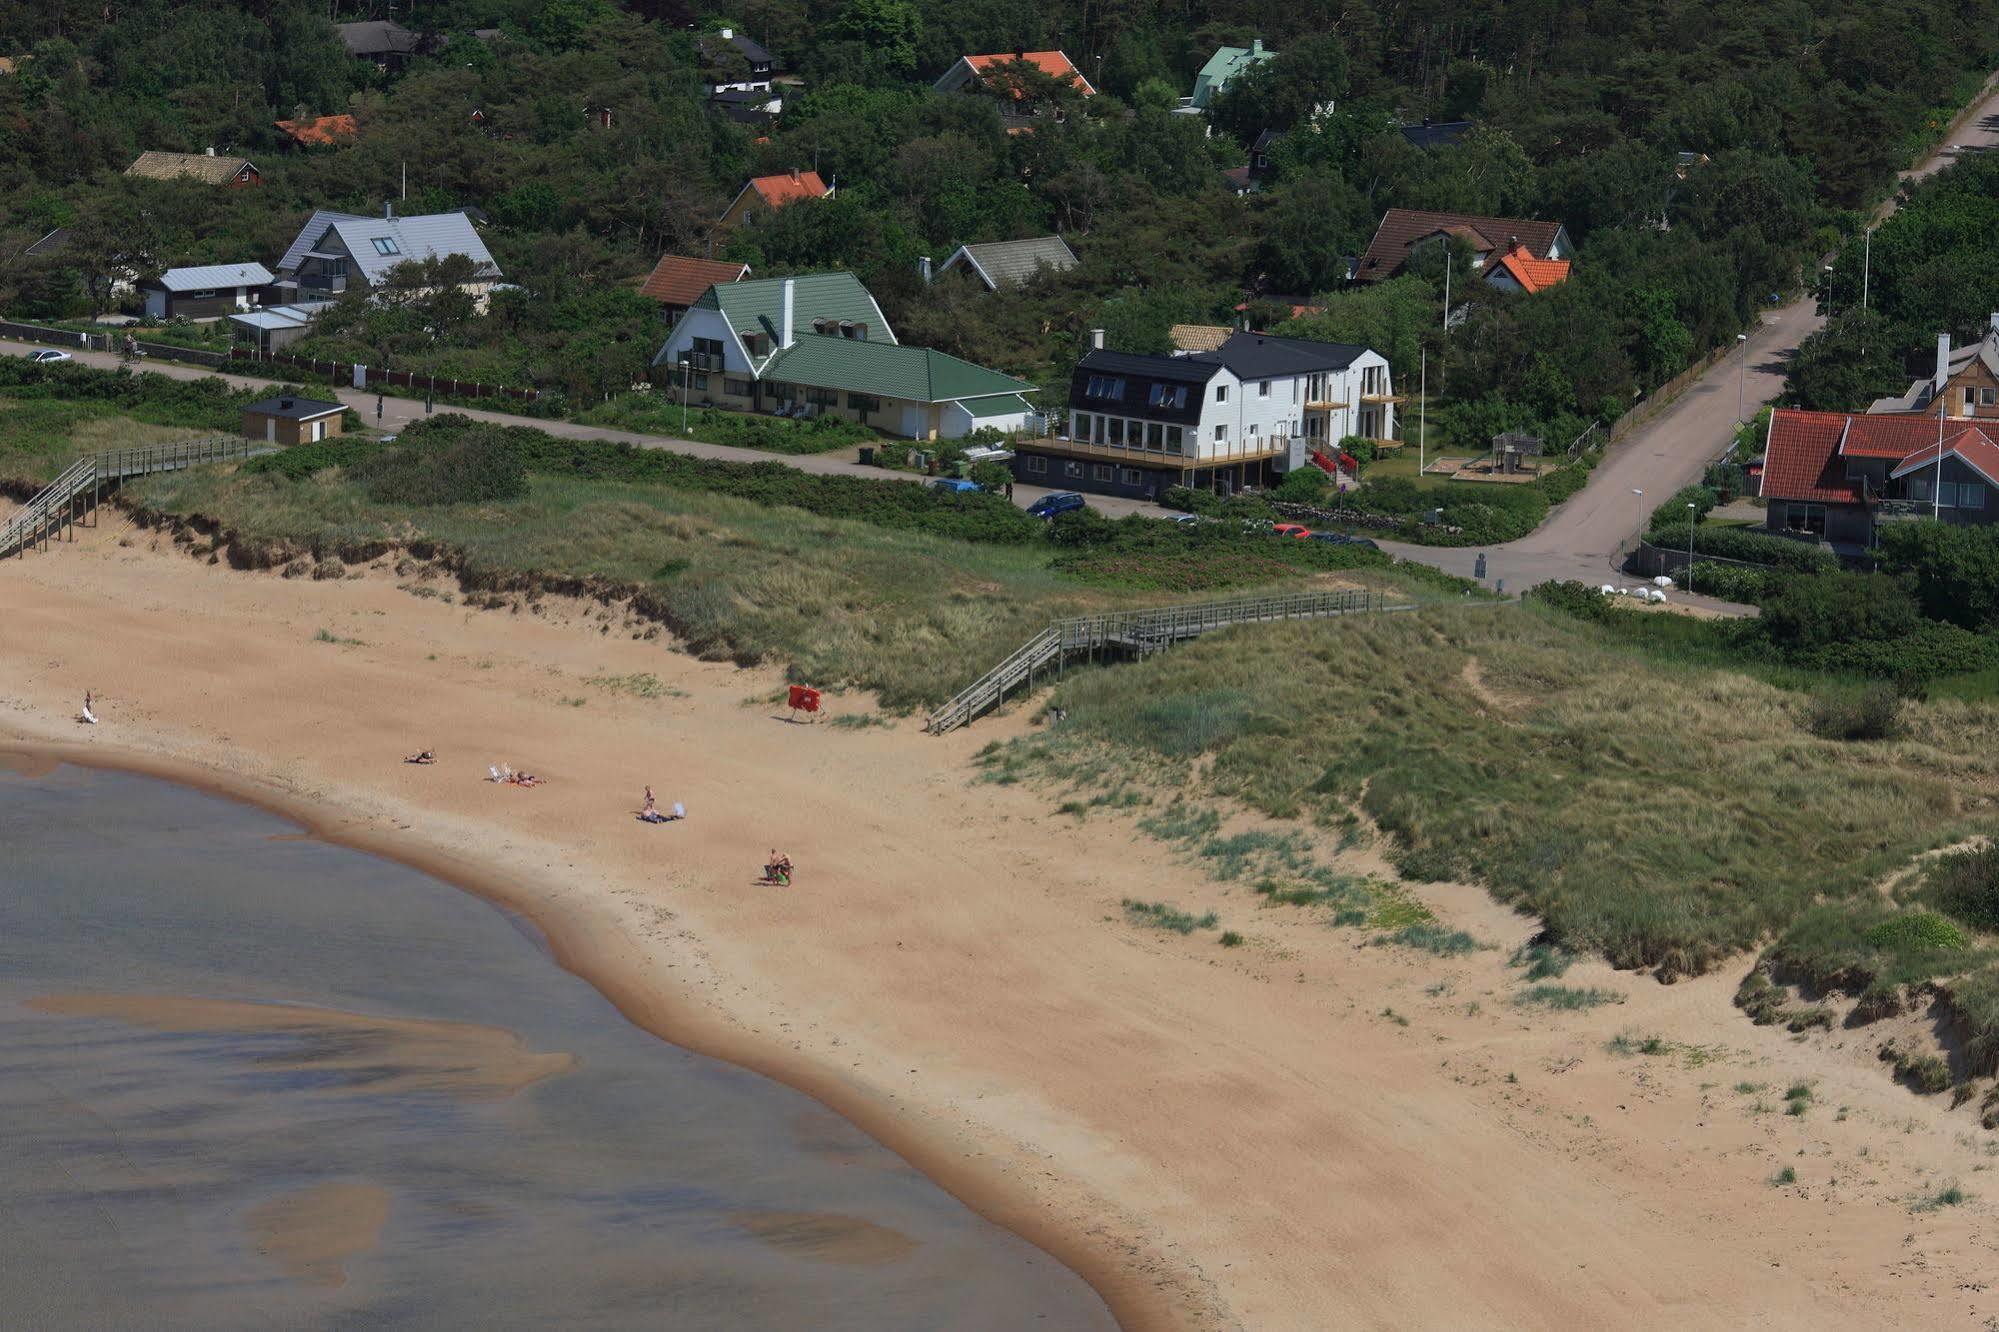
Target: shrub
[[1576, 599], [1871, 712], [1733, 582], [1566, 997], [1735, 543], [1301, 485], [1162, 916], [303, 460], [1544, 961], [1806, 614], [1431, 938], [1926, 1073], [1966, 884], [1673, 513], [476, 466]]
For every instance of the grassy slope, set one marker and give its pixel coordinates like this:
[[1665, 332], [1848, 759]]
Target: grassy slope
[[1662, 815], [40, 436]]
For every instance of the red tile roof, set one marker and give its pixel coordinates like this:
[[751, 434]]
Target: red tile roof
[[326, 130], [777, 191], [1805, 457], [679, 280], [1055, 64], [1401, 228], [1533, 274]]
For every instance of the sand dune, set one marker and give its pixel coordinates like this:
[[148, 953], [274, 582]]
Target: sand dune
[[1303, 1132]]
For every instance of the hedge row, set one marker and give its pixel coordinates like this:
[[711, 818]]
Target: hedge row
[[1735, 543]]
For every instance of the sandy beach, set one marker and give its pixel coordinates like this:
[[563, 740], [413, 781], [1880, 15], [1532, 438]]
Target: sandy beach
[[1307, 1131]]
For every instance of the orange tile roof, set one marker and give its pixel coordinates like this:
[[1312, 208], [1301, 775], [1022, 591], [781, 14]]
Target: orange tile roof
[[679, 280], [323, 130], [1055, 64], [1804, 458], [1533, 274], [777, 191]]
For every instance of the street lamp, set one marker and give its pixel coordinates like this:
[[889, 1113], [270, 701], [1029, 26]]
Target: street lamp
[[1690, 548], [1827, 270], [686, 373], [1742, 379]]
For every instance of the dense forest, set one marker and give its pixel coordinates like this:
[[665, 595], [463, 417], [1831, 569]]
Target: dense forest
[[1802, 114]]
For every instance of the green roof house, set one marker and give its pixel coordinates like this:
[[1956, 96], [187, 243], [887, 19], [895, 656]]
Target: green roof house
[[818, 343], [1223, 65]]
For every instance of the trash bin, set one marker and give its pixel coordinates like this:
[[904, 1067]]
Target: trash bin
[[867, 455]]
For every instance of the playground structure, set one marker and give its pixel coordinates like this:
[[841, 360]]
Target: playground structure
[[1514, 458]]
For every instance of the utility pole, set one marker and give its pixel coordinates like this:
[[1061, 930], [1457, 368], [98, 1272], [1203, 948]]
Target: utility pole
[[1741, 379], [1422, 409]]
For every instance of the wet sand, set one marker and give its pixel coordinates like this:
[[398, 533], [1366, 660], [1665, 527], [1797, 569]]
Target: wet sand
[[312, 1234]]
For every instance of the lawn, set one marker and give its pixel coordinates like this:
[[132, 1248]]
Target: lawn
[[659, 413]]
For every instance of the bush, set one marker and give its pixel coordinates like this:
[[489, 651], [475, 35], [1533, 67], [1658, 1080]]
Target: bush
[[303, 460], [1955, 569], [1966, 884], [1872, 712], [1302, 485], [1733, 582], [478, 465], [1806, 614], [1673, 513], [1579, 600], [1917, 932], [1736, 543]]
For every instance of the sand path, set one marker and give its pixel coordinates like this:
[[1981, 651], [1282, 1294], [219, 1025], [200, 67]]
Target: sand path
[[1302, 1132]]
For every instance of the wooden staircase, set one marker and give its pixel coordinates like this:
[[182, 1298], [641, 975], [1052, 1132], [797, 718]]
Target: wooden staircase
[[1124, 634], [77, 491]]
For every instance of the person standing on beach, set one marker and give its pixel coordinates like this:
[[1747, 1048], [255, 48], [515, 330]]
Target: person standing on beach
[[88, 715], [652, 805]]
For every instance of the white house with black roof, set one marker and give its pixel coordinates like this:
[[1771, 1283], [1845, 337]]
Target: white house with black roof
[[1238, 416]]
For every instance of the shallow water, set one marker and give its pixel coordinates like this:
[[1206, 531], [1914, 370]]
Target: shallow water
[[250, 1079]]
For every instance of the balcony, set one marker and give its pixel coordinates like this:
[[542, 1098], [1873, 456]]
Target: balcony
[[699, 362], [1194, 455]]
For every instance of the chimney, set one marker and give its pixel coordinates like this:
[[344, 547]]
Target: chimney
[[285, 404], [923, 268], [785, 310], [1020, 53], [795, 173], [1995, 321], [1096, 339], [1943, 362], [389, 211], [1256, 46]]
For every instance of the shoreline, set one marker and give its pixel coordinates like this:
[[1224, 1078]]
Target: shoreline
[[576, 946]]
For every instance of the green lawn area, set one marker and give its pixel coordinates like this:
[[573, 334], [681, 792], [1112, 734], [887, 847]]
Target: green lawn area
[[660, 413], [1403, 467]]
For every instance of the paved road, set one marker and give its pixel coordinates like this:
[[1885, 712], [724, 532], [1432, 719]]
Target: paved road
[[1585, 537], [399, 412]]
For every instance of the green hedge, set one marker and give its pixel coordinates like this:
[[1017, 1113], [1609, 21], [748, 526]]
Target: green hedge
[[897, 504], [1673, 513], [208, 402], [303, 460], [1735, 543]]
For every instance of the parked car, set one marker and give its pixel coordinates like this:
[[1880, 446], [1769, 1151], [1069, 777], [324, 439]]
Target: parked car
[[1062, 501], [48, 356], [1342, 539], [1295, 530], [952, 485], [1185, 519]]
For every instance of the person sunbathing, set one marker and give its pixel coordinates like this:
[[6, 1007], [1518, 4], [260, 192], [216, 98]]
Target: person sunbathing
[[421, 756], [526, 779]]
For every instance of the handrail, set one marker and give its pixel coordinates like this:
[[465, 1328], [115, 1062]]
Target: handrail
[[62, 501], [1140, 631]]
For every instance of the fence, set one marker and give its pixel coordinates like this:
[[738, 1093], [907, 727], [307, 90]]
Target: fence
[[342, 373], [110, 341]]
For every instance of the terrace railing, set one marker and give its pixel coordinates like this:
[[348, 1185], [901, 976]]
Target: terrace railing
[[1138, 634], [77, 491]]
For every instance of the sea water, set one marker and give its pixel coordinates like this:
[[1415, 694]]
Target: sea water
[[250, 1079]]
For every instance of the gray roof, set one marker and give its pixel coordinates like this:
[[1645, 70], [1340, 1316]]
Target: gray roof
[[1181, 369], [414, 238], [377, 37], [280, 316], [1923, 391], [1011, 263], [1263, 356], [215, 276], [295, 409]]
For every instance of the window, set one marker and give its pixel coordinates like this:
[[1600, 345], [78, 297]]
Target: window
[[757, 343], [1253, 428], [1131, 476], [1035, 465], [1221, 432], [700, 382], [1221, 393], [194, 295], [1809, 518], [1988, 397], [711, 347], [819, 397], [863, 402], [1262, 388], [1084, 427], [386, 245], [1114, 430], [1072, 469], [1104, 386], [1168, 395], [1970, 495], [1173, 439], [741, 388], [1153, 432], [1919, 489], [1100, 472]]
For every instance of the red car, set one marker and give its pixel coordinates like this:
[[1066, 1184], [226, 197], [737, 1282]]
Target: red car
[[1298, 530]]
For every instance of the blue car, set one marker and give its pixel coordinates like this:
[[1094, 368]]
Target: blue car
[[1065, 501], [954, 486]]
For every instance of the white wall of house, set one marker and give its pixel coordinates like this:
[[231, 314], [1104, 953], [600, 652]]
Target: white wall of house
[[958, 422], [1253, 416], [713, 326]]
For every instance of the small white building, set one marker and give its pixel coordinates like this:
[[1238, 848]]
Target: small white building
[[1241, 415]]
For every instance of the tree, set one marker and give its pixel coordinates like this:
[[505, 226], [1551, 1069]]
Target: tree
[[1310, 227], [888, 29], [1390, 317], [1299, 84], [1955, 569]]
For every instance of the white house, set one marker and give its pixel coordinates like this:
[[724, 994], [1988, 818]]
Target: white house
[[337, 250], [817, 344], [1240, 415]]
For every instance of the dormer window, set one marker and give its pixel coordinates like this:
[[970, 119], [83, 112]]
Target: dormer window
[[1168, 395], [386, 245], [1104, 386]]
